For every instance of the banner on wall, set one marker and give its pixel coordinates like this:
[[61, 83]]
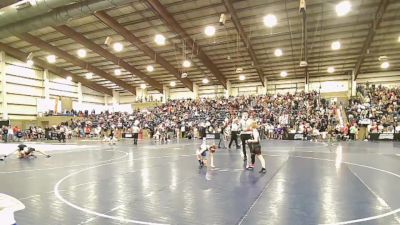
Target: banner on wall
[[102, 108], [47, 105]]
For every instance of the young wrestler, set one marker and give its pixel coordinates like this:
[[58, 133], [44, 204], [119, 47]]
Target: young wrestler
[[25, 152], [202, 155], [255, 149]]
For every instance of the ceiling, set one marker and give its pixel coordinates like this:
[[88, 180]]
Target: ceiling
[[226, 50]]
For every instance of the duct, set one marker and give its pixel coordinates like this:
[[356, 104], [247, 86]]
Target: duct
[[11, 14], [59, 16]]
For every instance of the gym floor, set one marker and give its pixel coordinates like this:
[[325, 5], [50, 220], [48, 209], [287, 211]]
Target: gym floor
[[306, 183]]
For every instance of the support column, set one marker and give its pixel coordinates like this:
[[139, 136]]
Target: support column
[[307, 82], [46, 84], [195, 91], [115, 98], [141, 94], [3, 96], [80, 95], [165, 94], [228, 91], [353, 84], [105, 100], [266, 85]]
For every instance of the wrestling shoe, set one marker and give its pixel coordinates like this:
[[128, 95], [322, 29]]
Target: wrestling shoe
[[263, 170]]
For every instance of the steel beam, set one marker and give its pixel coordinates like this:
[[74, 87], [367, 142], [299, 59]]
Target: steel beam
[[75, 61], [117, 27], [69, 32], [174, 26]]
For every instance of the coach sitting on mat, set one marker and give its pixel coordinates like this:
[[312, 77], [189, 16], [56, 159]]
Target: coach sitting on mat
[[25, 152]]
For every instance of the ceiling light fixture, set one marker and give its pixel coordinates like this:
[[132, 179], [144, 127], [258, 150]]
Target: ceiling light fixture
[[51, 58], [143, 86], [81, 53], [205, 81], [270, 20], [150, 68], [278, 52], [172, 84], [385, 65], [343, 8], [117, 72], [335, 45], [283, 74], [242, 77], [186, 63], [159, 39], [89, 75], [331, 69], [69, 78], [118, 47], [209, 31]]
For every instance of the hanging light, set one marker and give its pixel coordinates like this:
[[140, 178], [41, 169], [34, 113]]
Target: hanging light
[[283, 74], [205, 81], [331, 69], [29, 62], [51, 58], [81, 53], [385, 65], [343, 8], [117, 72], [150, 68], [335, 45], [143, 86], [89, 75], [270, 20], [118, 47], [278, 52], [69, 78], [186, 63], [242, 77], [398, 39], [159, 39], [172, 84], [209, 31]]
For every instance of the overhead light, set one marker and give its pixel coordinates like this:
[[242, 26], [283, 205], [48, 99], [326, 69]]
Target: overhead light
[[184, 75], [29, 62], [186, 63], [172, 84], [242, 77], [335, 45], [283, 74], [51, 58], [239, 70], [343, 8], [209, 31], [331, 69], [385, 65], [222, 19], [159, 39], [278, 52], [117, 72], [398, 39], [89, 75], [108, 41], [118, 47], [150, 68], [143, 86], [205, 81], [270, 20], [69, 78], [81, 53]]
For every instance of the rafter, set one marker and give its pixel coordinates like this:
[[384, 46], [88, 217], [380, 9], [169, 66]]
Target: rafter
[[69, 32], [174, 26], [243, 36], [77, 62], [54, 69], [371, 34], [117, 27]]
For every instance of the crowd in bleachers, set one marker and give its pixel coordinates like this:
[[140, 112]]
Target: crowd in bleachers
[[277, 115], [376, 107]]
